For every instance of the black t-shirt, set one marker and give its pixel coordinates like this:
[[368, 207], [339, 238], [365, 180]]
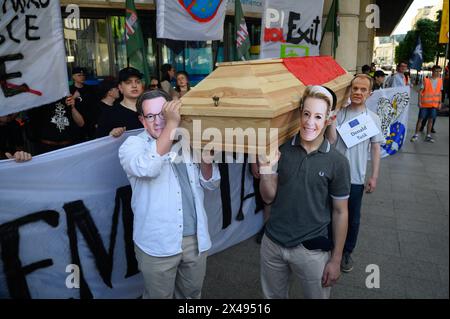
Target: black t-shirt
[[88, 108], [117, 116], [101, 107], [53, 122], [11, 139]]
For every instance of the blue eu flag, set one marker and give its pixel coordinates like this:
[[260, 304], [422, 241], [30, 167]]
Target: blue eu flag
[[353, 123], [416, 60]]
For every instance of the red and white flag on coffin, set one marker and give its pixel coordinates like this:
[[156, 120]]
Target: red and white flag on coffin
[[33, 68], [190, 20]]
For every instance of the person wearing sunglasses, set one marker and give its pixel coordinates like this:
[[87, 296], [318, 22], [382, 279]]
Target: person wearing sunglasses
[[170, 224], [154, 84]]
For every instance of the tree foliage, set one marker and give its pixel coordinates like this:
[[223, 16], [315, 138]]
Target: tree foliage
[[406, 47], [428, 31]]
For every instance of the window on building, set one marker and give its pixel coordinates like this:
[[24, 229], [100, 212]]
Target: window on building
[[194, 57], [98, 44], [119, 44], [86, 42]]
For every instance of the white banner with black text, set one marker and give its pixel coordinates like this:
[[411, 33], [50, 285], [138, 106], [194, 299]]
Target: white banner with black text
[[66, 222], [33, 68]]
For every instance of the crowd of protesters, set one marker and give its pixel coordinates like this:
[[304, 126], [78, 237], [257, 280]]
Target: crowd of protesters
[[89, 112]]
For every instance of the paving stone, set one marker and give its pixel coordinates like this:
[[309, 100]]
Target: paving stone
[[376, 210], [432, 255], [399, 265], [420, 289], [423, 207], [408, 223], [443, 272], [381, 240]]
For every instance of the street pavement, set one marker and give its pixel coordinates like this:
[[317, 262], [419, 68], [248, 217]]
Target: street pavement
[[404, 231]]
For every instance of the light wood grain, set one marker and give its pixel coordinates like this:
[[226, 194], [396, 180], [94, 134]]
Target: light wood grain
[[252, 94]]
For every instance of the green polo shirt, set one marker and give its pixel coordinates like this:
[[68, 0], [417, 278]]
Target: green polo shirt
[[306, 185]]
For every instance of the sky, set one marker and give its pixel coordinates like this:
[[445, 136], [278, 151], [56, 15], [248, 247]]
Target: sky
[[405, 24]]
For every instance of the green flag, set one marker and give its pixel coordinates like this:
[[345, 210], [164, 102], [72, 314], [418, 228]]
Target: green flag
[[136, 53], [242, 39], [332, 25]]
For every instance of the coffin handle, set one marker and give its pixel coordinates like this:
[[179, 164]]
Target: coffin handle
[[216, 100]]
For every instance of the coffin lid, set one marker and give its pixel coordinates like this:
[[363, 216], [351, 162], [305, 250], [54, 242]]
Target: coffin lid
[[256, 89]]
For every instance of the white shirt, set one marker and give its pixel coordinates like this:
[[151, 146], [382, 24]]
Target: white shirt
[[358, 154], [398, 80], [156, 199]]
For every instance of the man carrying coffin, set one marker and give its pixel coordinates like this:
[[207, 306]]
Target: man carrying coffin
[[306, 230], [170, 223]]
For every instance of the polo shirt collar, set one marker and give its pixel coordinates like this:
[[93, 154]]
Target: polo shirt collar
[[324, 147]]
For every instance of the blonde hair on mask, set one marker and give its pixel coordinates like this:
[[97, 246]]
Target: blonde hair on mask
[[318, 92]]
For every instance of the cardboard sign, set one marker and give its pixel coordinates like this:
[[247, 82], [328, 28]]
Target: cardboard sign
[[357, 130], [291, 28]]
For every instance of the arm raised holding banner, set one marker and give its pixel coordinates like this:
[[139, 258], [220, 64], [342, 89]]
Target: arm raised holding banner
[[76, 115]]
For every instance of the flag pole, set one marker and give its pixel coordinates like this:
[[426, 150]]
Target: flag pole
[[332, 45], [215, 46]]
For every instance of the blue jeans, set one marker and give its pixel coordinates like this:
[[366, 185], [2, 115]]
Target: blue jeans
[[354, 216]]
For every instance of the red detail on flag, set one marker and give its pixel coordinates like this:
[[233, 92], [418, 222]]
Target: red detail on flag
[[129, 28], [130, 22], [241, 34], [273, 35], [21, 122], [194, 16], [314, 70], [14, 86]]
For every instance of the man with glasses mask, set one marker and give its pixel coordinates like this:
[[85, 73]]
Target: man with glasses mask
[[170, 224]]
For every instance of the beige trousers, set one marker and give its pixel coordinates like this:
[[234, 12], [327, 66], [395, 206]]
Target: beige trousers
[[278, 263], [180, 276]]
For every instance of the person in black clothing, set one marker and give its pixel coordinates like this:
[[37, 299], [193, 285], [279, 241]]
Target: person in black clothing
[[365, 69], [11, 139], [86, 103], [123, 116], [107, 94], [378, 82], [55, 125]]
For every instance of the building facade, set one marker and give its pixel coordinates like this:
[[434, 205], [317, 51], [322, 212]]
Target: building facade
[[427, 12], [95, 40]]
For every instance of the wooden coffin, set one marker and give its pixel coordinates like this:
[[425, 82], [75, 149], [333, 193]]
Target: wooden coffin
[[253, 96]]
